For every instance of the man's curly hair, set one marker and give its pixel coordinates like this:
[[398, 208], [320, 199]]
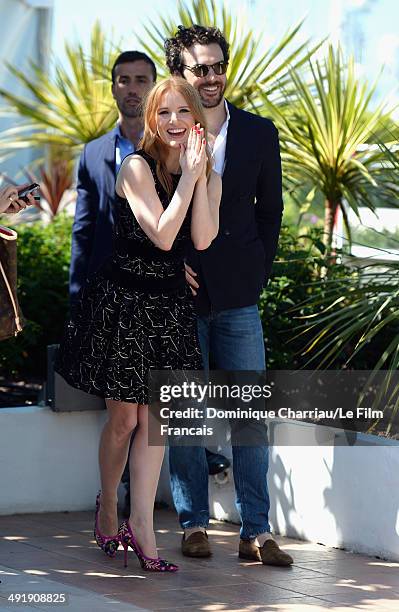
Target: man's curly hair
[[185, 38]]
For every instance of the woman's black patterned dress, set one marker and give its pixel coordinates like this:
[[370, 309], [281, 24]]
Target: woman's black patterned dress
[[135, 314]]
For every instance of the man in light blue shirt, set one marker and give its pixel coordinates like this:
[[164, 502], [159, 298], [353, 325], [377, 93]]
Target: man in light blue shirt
[[133, 75]]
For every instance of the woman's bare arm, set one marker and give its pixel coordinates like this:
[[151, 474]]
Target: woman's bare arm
[[136, 183]]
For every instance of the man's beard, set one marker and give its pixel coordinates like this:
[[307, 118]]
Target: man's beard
[[213, 101], [129, 110]]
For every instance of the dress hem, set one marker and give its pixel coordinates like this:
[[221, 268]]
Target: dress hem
[[92, 391]]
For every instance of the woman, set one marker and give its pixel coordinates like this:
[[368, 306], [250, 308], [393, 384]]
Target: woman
[[137, 313]]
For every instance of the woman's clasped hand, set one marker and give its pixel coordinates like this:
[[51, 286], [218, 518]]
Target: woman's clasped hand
[[193, 155]]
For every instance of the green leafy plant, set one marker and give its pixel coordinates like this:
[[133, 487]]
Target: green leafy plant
[[294, 280], [43, 270], [354, 320], [325, 140]]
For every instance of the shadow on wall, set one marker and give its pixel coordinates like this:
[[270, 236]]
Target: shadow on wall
[[282, 498], [343, 496]]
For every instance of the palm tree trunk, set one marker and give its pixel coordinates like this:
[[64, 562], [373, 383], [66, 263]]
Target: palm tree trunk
[[329, 218]]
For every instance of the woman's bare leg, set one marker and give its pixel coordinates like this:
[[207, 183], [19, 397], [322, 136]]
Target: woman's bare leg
[[145, 467], [113, 452]]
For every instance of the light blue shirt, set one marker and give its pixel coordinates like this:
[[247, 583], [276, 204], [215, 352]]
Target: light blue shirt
[[123, 147]]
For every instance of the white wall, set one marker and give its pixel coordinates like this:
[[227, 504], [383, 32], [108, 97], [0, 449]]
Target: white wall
[[48, 460], [339, 496]]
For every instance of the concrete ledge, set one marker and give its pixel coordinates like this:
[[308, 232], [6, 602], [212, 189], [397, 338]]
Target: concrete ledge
[[323, 492]]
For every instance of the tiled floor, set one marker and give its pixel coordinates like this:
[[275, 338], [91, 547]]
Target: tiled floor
[[55, 553]]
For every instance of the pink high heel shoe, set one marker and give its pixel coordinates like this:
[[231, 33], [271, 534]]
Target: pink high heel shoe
[[109, 544], [127, 539]]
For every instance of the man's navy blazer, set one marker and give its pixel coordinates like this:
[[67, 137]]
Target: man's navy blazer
[[93, 224], [237, 265]]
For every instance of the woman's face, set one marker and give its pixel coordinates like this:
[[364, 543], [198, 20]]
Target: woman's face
[[173, 119]]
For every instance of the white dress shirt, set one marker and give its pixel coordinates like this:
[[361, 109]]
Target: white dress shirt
[[219, 148]]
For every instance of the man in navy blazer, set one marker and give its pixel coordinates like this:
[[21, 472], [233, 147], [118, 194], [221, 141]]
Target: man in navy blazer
[[227, 279], [133, 75]]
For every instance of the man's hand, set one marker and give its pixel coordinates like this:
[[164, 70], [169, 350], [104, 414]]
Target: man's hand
[[190, 274]]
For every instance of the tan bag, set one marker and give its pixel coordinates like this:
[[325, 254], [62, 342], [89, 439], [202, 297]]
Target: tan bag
[[10, 313]]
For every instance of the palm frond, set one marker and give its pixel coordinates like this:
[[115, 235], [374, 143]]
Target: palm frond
[[69, 108], [250, 65], [325, 137]]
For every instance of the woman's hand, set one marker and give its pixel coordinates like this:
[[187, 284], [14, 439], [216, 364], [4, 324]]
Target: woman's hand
[[193, 155], [9, 201]]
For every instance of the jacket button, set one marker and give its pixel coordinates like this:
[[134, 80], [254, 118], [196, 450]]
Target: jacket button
[[227, 232]]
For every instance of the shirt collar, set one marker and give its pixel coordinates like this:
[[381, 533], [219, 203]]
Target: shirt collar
[[120, 135], [227, 110]]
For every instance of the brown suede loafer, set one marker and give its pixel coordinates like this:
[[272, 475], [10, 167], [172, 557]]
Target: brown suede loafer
[[270, 553], [196, 545]]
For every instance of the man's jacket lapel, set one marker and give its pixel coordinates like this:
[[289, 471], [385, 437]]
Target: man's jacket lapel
[[234, 151]]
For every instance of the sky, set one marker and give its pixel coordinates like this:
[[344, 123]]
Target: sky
[[368, 28]]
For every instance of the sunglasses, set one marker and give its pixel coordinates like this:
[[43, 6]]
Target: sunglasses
[[201, 70]]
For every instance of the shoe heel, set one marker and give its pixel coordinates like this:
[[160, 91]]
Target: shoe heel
[[109, 544], [248, 557], [125, 552], [147, 563]]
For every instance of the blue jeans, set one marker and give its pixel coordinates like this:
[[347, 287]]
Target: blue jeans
[[234, 339]]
